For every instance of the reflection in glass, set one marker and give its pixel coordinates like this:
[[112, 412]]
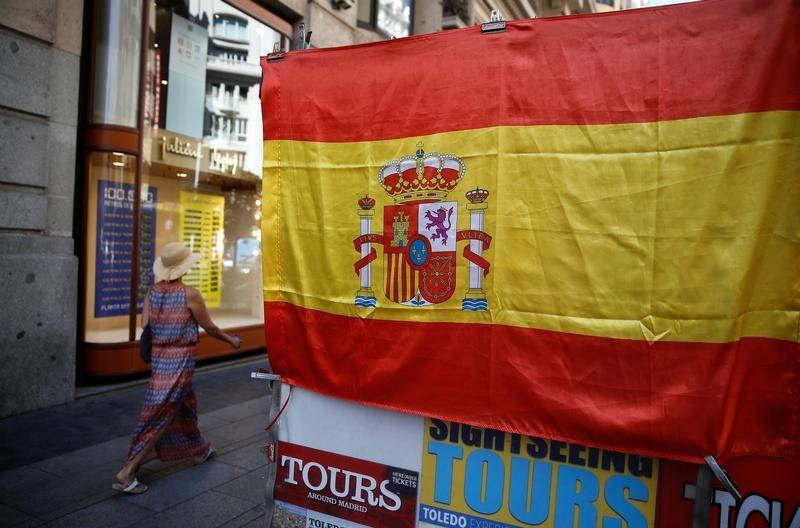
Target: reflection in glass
[[116, 76], [394, 17], [208, 182], [110, 227]]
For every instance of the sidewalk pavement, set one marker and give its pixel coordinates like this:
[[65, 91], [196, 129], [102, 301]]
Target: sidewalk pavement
[[57, 465]]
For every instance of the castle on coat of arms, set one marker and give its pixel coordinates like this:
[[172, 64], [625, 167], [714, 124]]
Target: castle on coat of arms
[[419, 235]]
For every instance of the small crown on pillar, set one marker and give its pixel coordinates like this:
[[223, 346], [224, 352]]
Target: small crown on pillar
[[477, 195], [366, 203], [421, 176]]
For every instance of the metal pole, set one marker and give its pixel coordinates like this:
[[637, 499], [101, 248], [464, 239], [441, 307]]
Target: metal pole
[[137, 193], [272, 465], [703, 493]]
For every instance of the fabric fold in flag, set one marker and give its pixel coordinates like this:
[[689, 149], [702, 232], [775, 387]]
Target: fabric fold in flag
[[583, 228]]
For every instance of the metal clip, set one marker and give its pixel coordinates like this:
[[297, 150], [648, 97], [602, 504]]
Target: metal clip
[[496, 23], [264, 375], [726, 480], [276, 55]]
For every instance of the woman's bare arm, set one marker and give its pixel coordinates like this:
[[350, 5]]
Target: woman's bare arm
[[195, 302]]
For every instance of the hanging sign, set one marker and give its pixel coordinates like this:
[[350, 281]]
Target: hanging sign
[[771, 494], [475, 477], [333, 490]]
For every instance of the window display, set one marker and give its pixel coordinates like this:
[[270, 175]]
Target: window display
[[201, 229], [210, 173], [115, 246], [110, 225], [200, 177]]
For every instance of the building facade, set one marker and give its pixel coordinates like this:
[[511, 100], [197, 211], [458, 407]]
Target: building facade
[[40, 58], [128, 124]]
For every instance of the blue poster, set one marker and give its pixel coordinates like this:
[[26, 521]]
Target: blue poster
[[115, 247]]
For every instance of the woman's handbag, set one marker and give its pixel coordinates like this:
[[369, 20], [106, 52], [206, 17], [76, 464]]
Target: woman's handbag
[[146, 344]]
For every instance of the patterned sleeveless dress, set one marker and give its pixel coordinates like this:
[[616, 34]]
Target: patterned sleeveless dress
[[170, 400]]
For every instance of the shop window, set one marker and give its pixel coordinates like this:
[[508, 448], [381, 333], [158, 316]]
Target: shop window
[[116, 62], [208, 180], [109, 251], [392, 18], [201, 171]]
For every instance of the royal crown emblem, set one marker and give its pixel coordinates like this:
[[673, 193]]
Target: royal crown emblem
[[420, 234]]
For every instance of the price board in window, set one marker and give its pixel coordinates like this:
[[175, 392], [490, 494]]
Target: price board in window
[[114, 250], [200, 227]]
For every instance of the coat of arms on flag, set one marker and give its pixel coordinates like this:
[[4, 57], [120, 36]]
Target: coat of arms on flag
[[419, 234]]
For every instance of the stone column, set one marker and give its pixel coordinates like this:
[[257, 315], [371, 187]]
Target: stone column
[[365, 295], [475, 298], [39, 96]]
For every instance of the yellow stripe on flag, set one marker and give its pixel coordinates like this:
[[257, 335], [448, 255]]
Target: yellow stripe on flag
[[679, 230]]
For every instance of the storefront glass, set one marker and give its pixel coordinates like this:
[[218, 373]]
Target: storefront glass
[[201, 164], [394, 17], [202, 147], [116, 62], [109, 247], [390, 17]]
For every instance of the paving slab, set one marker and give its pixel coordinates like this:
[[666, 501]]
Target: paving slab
[[248, 457], [207, 510], [207, 422], [242, 429], [20, 479], [65, 492], [164, 468], [258, 407], [222, 444], [114, 450], [254, 517], [182, 486], [111, 512], [45, 434], [250, 486], [70, 484], [9, 517]]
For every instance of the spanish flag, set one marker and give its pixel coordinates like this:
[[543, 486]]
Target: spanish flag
[[585, 228]]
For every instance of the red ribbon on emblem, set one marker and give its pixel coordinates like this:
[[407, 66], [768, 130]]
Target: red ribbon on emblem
[[474, 234], [360, 241]]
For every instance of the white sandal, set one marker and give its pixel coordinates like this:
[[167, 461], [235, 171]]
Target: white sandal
[[134, 488], [208, 455]]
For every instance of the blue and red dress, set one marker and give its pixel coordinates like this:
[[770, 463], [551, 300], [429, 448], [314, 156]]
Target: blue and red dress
[[170, 401]]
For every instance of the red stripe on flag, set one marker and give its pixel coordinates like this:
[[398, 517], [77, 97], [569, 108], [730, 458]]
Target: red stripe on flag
[[644, 65], [606, 392]]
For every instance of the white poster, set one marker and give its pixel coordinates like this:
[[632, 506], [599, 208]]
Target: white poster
[[374, 456], [186, 88]]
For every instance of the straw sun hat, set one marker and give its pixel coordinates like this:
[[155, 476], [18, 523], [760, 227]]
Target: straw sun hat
[[175, 261]]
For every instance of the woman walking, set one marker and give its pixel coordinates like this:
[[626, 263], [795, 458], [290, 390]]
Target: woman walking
[[167, 427]]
